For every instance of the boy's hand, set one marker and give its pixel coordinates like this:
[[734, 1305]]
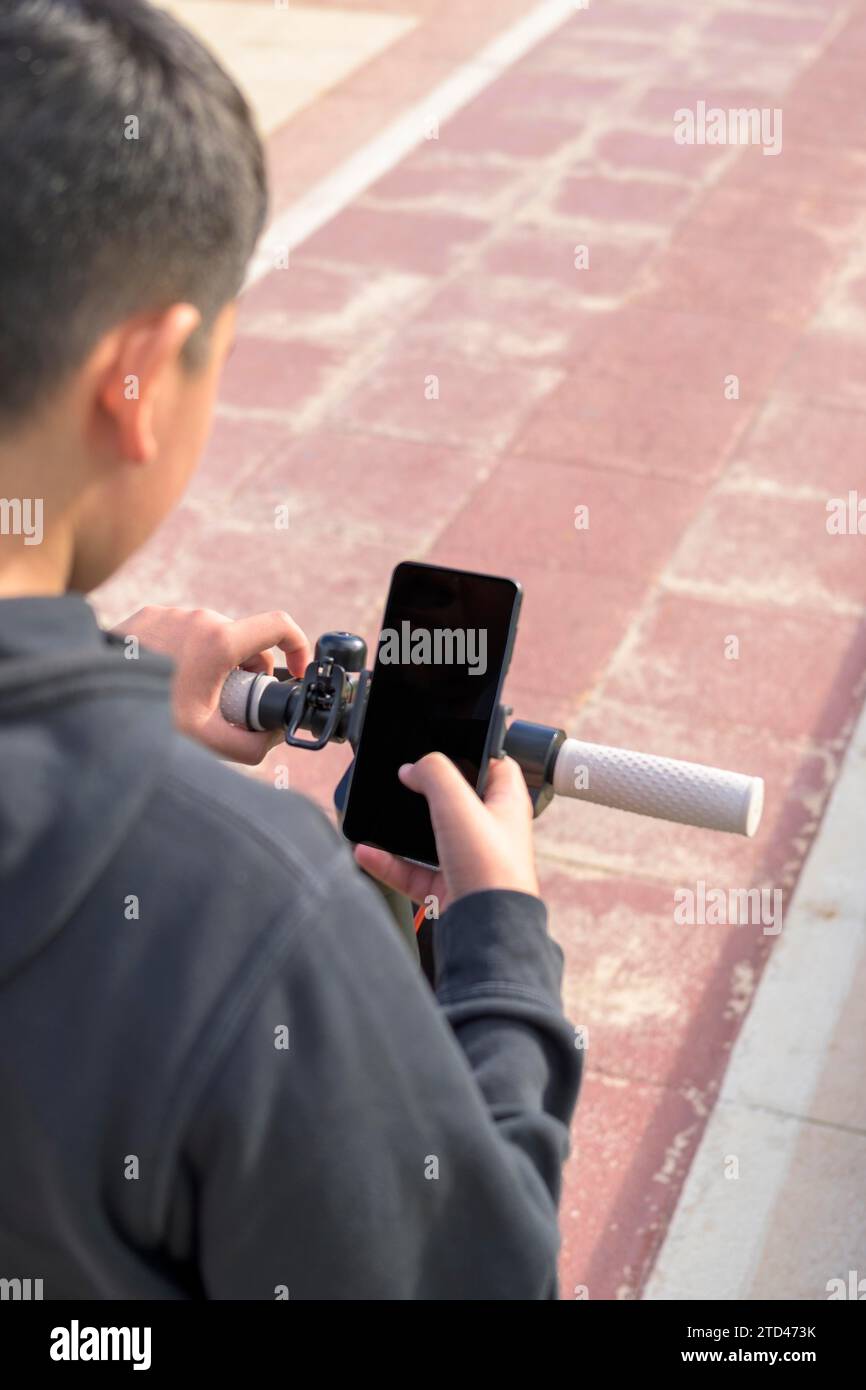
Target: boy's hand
[[205, 646], [482, 844]]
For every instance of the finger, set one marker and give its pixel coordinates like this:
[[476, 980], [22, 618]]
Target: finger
[[412, 880], [448, 794], [506, 787], [262, 663], [248, 637], [298, 654], [237, 745]]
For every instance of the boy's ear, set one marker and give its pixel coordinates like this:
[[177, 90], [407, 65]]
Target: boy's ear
[[143, 351]]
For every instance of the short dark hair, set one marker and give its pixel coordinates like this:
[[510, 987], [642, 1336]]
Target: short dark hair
[[132, 178]]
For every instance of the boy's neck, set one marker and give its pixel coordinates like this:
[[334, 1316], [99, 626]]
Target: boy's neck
[[28, 581], [36, 552], [31, 565]]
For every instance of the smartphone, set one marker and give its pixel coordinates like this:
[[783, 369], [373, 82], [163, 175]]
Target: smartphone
[[444, 649]]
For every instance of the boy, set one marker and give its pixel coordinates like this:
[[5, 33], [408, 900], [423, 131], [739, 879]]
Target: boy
[[222, 1076]]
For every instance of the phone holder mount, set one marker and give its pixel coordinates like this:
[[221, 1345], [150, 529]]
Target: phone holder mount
[[321, 700], [330, 701]]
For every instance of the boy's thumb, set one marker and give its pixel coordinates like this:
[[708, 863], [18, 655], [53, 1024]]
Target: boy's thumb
[[445, 788]]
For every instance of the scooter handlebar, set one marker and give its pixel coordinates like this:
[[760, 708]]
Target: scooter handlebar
[[687, 793]]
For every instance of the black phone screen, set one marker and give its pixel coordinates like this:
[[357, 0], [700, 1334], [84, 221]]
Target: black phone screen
[[443, 652]]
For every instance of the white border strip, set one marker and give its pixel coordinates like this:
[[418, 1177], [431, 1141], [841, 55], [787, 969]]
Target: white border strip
[[715, 1242], [381, 154]]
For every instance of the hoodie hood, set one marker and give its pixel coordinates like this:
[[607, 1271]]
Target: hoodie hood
[[85, 736]]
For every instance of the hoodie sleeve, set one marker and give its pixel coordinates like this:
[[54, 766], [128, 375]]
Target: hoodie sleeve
[[361, 1140]]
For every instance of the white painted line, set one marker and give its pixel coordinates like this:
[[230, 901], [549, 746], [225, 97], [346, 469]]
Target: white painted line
[[381, 154], [714, 1243]]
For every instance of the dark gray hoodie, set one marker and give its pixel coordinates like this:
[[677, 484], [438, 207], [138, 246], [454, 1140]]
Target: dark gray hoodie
[[221, 1074]]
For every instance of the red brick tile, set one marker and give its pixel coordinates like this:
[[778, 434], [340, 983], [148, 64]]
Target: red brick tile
[[524, 90], [570, 625], [480, 405], [235, 450], [570, 628], [826, 123], [795, 676], [515, 134], [161, 572], [730, 215], [621, 200], [299, 289], [692, 352], [340, 310], [432, 175], [649, 426], [802, 168], [539, 253], [632, 1148], [242, 570], [722, 66], [827, 7], [535, 698], [774, 30], [797, 443], [743, 283], [837, 81], [828, 366], [792, 559], [633, 526], [854, 292], [263, 374], [828, 105], [850, 42], [633, 975], [425, 244], [606, 53], [638, 152], [661, 103], [345, 486], [505, 318], [235, 560]]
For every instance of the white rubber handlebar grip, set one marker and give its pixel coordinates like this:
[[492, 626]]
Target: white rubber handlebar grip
[[662, 787], [239, 700]]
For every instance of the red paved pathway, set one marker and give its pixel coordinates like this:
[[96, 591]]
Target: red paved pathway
[[604, 387]]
